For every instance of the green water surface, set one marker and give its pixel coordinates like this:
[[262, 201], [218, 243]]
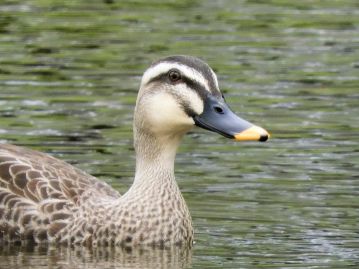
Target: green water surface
[[69, 75]]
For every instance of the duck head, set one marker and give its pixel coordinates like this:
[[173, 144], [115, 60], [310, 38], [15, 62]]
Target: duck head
[[179, 92]]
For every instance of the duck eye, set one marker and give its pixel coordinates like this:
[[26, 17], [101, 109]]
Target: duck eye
[[174, 75]]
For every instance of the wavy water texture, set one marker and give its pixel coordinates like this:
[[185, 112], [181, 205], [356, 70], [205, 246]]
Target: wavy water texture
[[69, 74]]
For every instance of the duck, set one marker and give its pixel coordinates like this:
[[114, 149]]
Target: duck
[[46, 200]]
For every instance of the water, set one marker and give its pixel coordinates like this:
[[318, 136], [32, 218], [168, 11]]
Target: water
[[69, 74]]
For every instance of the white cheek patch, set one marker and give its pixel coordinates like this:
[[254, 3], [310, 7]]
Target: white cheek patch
[[164, 67], [165, 114]]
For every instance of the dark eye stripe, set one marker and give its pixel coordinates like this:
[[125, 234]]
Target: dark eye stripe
[[158, 78], [197, 87], [195, 64], [191, 83]]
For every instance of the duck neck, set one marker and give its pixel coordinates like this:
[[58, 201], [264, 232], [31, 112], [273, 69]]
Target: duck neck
[[155, 157]]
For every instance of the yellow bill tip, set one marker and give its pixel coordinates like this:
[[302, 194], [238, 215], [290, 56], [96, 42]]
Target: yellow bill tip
[[254, 133]]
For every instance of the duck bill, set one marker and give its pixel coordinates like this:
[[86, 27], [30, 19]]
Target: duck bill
[[219, 118]]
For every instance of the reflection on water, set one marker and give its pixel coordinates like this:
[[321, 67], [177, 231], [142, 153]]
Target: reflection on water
[[81, 257]]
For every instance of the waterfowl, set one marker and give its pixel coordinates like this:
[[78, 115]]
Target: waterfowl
[[44, 199]]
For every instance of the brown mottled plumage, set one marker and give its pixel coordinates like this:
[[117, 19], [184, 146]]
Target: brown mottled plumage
[[43, 199]]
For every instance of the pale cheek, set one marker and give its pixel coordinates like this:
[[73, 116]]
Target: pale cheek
[[165, 115], [190, 97]]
